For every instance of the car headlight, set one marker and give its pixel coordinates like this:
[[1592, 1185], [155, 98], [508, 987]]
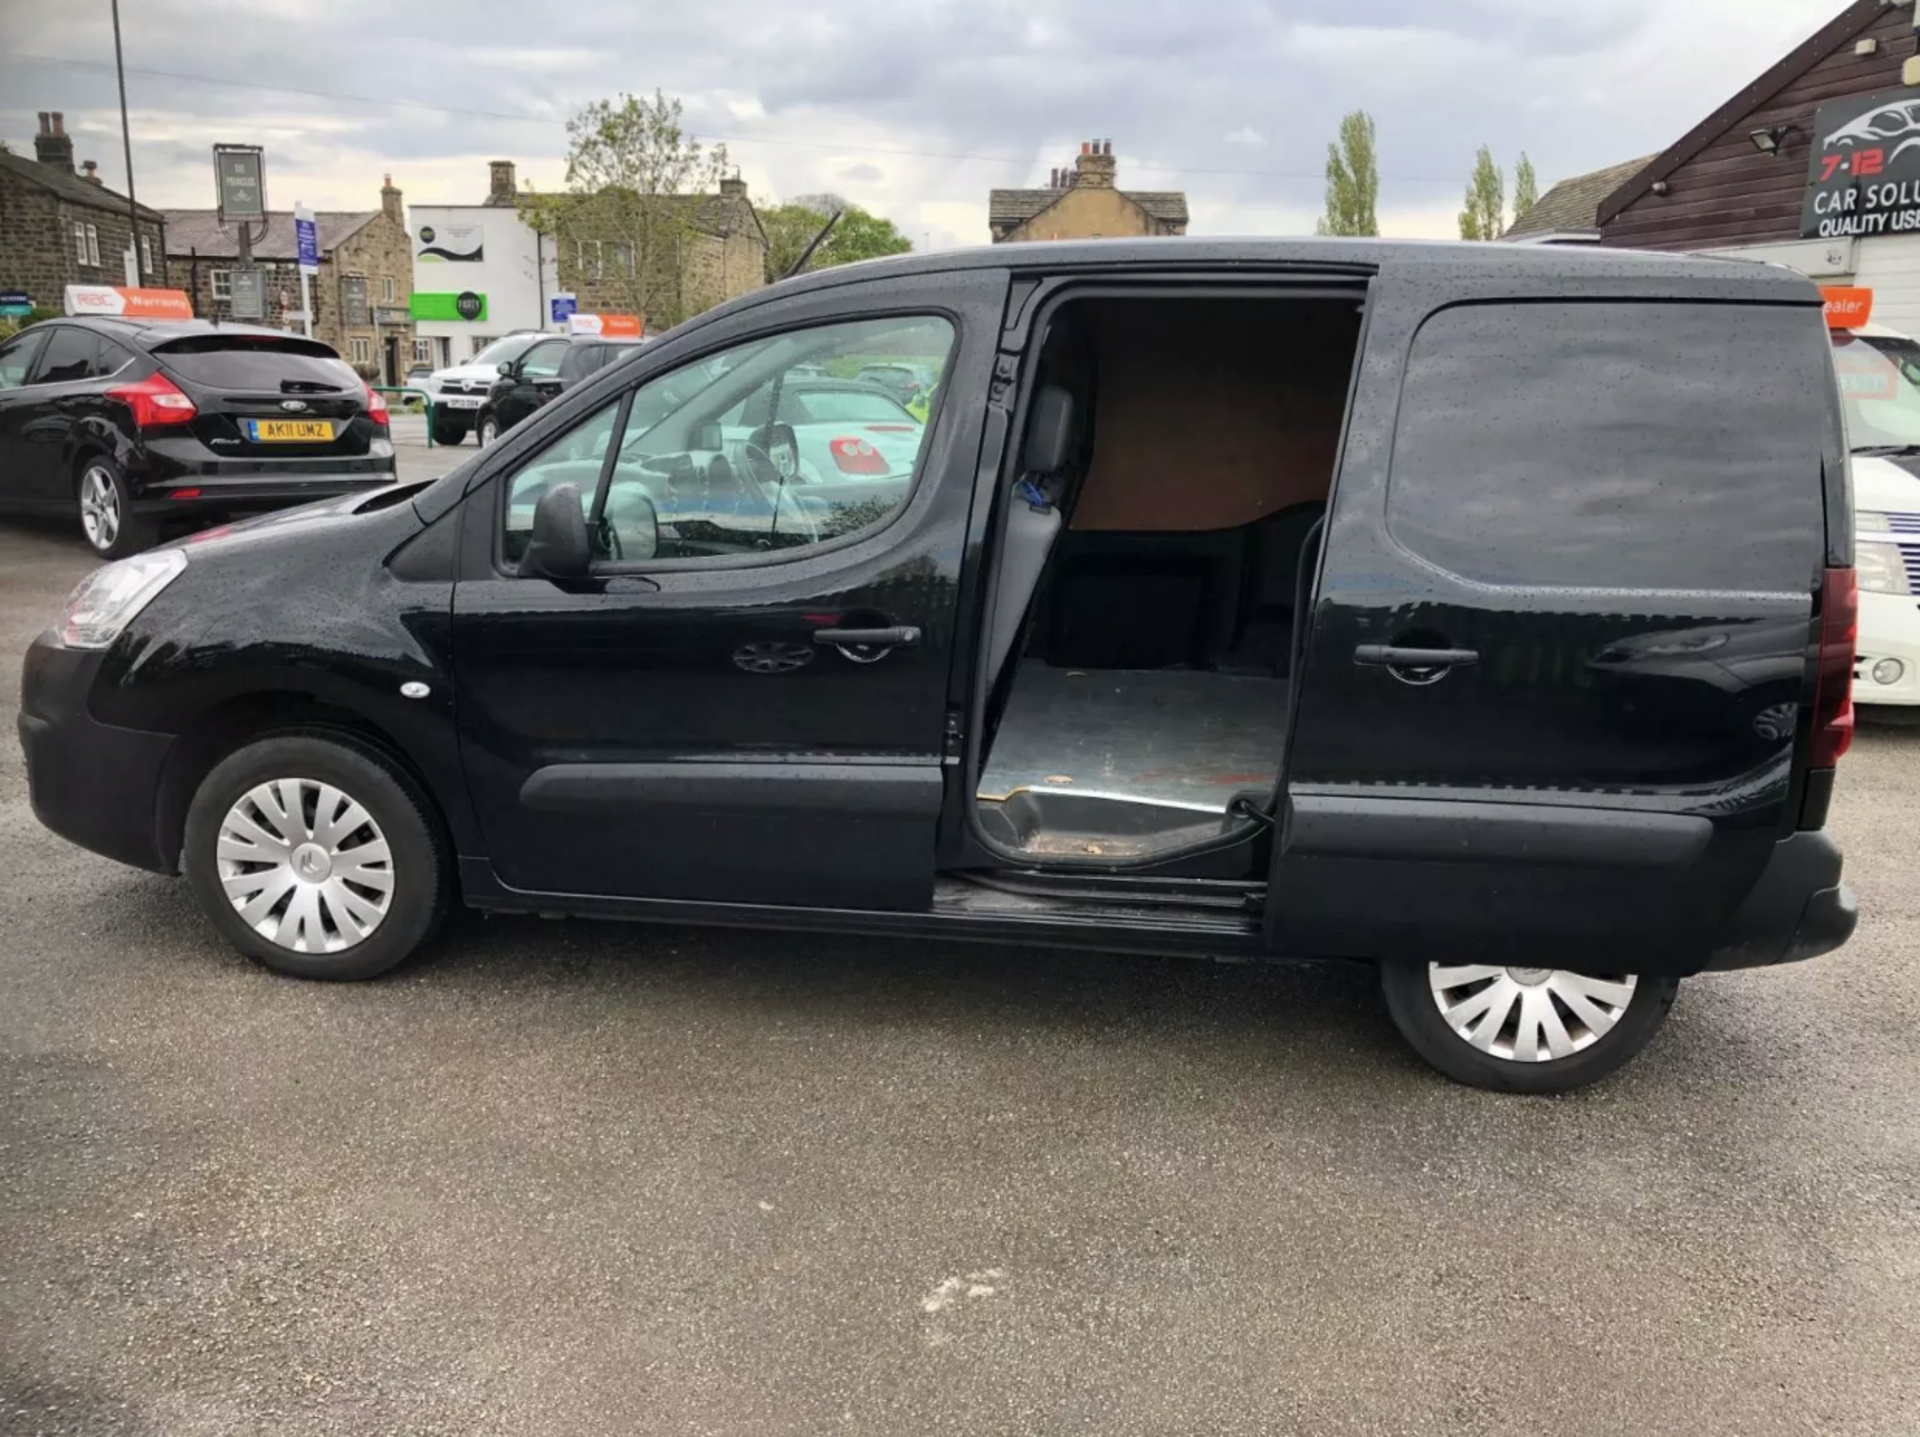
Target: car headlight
[[109, 599], [1880, 569]]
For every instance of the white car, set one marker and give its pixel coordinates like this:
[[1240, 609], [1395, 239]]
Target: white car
[[460, 389], [1879, 374], [845, 430]]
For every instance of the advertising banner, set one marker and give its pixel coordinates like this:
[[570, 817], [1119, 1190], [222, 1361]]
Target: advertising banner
[[450, 244], [128, 303], [1863, 172], [468, 305], [607, 326]]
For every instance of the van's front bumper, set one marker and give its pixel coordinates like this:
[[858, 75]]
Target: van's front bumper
[[1798, 909], [92, 783], [1889, 630]]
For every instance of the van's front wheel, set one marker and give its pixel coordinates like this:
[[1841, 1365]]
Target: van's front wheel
[[316, 856], [1524, 1030]]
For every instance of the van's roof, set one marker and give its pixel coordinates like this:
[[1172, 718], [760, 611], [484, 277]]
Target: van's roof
[[1571, 260], [1723, 278]]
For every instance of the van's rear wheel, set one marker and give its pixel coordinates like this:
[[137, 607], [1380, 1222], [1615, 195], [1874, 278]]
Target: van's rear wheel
[[317, 857], [1524, 1030]]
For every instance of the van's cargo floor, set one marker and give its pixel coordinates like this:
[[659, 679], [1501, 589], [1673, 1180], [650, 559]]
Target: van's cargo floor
[[1173, 736]]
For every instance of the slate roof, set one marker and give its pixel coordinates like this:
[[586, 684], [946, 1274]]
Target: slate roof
[[1014, 207], [199, 231], [69, 186], [1574, 204]]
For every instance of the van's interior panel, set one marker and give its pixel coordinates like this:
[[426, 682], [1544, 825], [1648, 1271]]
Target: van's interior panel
[[1151, 666]]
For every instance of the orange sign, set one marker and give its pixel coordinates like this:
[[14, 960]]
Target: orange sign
[[1847, 308], [607, 326], [123, 303]]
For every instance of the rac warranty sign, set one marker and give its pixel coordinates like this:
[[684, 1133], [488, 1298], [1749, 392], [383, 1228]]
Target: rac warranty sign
[[1863, 173], [112, 299]]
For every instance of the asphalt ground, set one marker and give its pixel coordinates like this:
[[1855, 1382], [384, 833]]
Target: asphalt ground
[[581, 1178]]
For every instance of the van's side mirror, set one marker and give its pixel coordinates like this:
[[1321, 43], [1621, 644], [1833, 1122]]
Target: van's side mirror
[[558, 547], [709, 437], [509, 370]]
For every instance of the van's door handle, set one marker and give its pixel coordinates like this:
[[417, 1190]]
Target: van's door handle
[[904, 636], [1388, 656]]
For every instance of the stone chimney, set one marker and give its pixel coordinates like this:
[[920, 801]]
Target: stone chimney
[[90, 172], [53, 145], [1094, 168], [390, 202], [733, 187], [501, 186]]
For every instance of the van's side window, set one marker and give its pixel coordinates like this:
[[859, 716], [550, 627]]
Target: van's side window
[[771, 445], [1614, 445]]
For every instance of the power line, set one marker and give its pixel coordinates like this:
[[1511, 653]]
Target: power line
[[742, 140]]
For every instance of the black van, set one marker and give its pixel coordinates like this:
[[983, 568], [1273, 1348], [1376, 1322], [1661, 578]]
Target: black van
[[1481, 612]]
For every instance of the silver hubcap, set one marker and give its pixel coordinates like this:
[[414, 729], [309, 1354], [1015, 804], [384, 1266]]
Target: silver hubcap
[[305, 866], [487, 433], [1530, 1015], [99, 508]]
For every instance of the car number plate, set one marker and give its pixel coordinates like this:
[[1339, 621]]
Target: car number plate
[[461, 401], [290, 431]]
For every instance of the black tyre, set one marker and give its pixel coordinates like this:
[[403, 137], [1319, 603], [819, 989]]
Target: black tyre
[[1524, 1030], [448, 431], [315, 855], [106, 510]]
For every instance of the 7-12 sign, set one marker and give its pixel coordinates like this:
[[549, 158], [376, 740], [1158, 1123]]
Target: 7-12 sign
[[1860, 164]]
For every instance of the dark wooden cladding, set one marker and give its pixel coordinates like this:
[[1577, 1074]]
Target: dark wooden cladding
[[1729, 193]]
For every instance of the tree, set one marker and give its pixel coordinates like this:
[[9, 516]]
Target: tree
[[1353, 180], [632, 206], [1484, 218], [859, 235], [1526, 188]]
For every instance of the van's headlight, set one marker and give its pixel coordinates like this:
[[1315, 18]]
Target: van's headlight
[[108, 599], [1880, 569]]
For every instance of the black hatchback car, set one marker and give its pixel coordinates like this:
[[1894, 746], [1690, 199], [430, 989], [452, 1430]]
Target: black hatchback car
[[545, 372], [136, 427], [1495, 629]]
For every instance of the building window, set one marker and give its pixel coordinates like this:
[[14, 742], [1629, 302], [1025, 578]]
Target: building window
[[79, 242], [586, 256], [386, 289], [423, 351], [146, 255], [362, 349], [222, 283], [93, 246]]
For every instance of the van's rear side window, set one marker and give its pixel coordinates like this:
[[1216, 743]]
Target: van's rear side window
[[1615, 445]]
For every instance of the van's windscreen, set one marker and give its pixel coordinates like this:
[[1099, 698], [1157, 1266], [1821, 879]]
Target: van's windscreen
[[1879, 390]]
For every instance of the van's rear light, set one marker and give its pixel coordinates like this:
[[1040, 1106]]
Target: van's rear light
[[377, 406], [857, 456], [155, 401], [1833, 699]]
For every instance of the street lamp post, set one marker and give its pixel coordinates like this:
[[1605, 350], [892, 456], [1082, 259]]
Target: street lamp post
[[126, 141]]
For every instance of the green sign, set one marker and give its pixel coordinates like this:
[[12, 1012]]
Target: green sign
[[464, 305]]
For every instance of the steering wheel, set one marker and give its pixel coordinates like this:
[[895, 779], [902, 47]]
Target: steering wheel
[[761, 472]]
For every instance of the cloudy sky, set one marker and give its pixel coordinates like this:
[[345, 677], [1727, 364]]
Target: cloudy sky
[[914, 110]]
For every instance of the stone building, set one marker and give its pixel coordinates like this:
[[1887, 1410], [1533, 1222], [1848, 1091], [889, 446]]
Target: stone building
[[59, 226], [1085, 202], [711, 247], [361, 294]]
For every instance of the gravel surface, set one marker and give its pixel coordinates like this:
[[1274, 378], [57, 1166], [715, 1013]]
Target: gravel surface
[[577, 1178]]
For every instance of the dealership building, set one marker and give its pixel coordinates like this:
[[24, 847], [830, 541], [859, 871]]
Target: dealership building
[[479, 271], [1815, 165]]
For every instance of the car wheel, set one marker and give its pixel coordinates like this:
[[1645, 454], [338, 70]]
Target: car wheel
[[448, 434], [106, 511], [1524, 1030], [317, 857], [489, 431]]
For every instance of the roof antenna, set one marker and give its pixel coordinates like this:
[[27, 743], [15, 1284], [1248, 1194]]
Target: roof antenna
[[807, 253]]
